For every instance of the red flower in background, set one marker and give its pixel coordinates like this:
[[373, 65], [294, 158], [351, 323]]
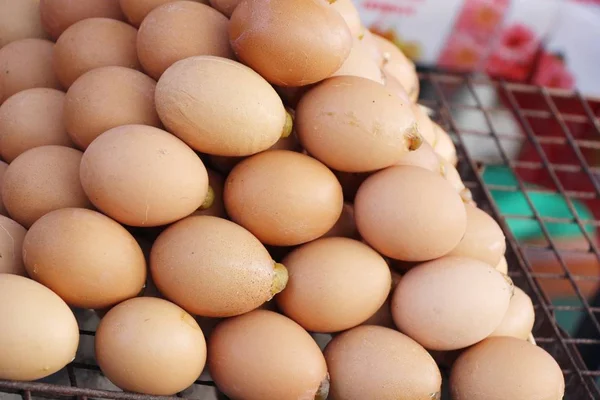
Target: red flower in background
[[552, 72], [480, 18], [514, 56], [461, 53]]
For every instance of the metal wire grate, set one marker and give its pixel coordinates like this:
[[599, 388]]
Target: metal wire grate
[[545, 145]]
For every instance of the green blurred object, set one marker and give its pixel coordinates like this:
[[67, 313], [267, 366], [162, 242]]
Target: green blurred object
[[550, 205], [547, 205]]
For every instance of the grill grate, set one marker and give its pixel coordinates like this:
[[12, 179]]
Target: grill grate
[[545, 145]]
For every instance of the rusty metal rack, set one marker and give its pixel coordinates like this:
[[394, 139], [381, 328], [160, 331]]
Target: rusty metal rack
[[544, 143]]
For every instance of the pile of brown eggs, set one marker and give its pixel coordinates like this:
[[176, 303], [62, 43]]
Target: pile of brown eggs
[[331, 204]]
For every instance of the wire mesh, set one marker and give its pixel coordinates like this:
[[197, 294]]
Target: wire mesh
[[547, 146]]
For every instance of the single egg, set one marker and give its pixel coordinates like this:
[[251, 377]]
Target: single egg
[[32, 118], [214, 268], [502, 266], [334, 284], [284, 198], [149, 345], [26, 64], [371, 43], [58, 15], [216, 182], [39, 334], [11, 246], [290, 42], [136, 10], [444, 145], [470, 300], [114, 44], [359, 63], [519, 318], [263, 355], [105, 98], [20, 19], [353, 124], [423, 157], [41, 180], [506, 368], [410, 214], [179, 30], [345, 225], [3, 167], [397, 65], [373, 362], [210, 103], [143, 176], [86, 258], [483, 239]]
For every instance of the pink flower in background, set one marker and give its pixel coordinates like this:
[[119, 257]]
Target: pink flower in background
[[461, 53], [514, 56], [480, 18], [552, 72]]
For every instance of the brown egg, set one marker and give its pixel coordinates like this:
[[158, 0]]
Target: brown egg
[[3, 167], [372, 45], [444, 145], [506, 368], [483, 240], [39, 334], [450, 173], [210, 103], [397, 65], [519, 318], [217, 209], [148, 345], [373, 362], [334, 284], [394, 86], [345, 225], [383, 316], [423, 157], [502, 266], [424, 124], [214, 268], [32, 118], [86, 258], [284, 198], [105, 98], [143, 176], [266, 356], [20, 19], [359, 63], [290, 42], [136, 10], [41, 180], [225, 6], [179, 30], [353, 124], [114, 45], [350, 14], [470, 300], [410, 214], [26, 64], [58, 15], [11, 245]]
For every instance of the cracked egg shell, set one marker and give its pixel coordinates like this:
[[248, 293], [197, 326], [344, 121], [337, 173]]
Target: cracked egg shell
[[143, 176]]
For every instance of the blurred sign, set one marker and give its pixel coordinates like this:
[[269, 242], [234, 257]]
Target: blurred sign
[[548, 42]]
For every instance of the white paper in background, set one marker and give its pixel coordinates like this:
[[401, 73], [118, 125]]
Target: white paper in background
[[577, 37], [425, 22]]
